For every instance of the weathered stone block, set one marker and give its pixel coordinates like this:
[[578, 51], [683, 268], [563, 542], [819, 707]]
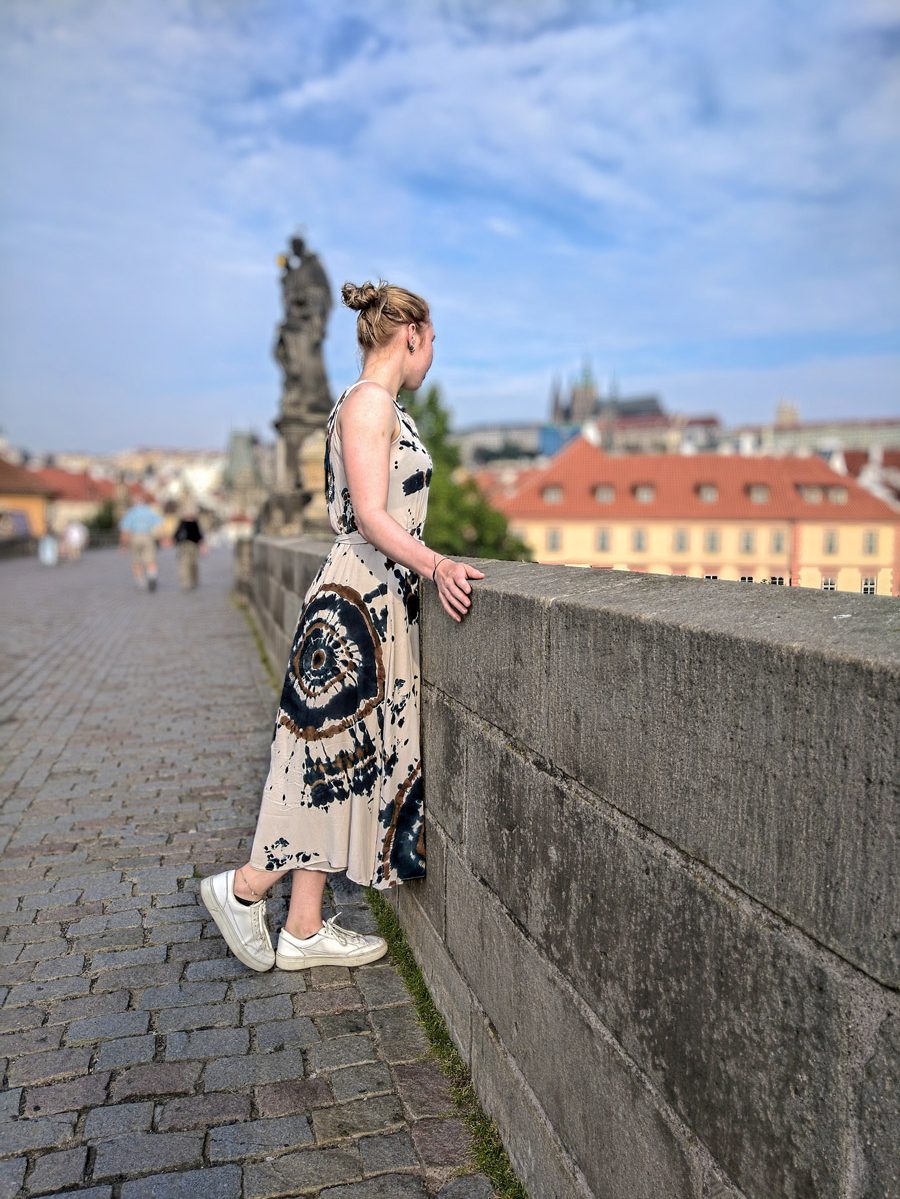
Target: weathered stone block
[[300, 1173], [235, 1141], [661, 955], [444, 764]]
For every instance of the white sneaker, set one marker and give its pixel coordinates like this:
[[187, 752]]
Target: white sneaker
[[330, 946], [243, 927]]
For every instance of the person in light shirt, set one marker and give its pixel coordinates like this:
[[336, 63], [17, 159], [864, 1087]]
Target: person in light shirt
[[138, 529]]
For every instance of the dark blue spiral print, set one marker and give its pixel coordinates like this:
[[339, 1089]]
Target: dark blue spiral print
[[335, 675]]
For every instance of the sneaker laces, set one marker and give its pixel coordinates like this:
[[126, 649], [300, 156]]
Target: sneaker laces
[[346, 936], [259, 919]]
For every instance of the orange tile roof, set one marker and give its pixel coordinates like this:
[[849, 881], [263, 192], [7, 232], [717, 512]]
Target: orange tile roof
[[70, 486], [15, 480], [857, 459], [580, 467]]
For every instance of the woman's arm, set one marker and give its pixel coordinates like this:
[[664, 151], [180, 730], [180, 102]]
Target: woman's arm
[[368, 421]]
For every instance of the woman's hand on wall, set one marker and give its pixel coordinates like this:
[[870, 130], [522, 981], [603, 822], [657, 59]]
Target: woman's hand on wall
[[454, 588]]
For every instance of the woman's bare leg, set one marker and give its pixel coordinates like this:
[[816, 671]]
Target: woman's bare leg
[[252, 884], [305, 913]]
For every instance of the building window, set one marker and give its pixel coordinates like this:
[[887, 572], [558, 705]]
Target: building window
[[809, 492], [552, 495], [638, 539], [747, 541], [710, 576], [837, 495], [829, 541], [711, 541], [777, 580], [604, 493], [680, 540], [759, 493], [868, 586], [644, 492], [870, 541], [777, 545], [746, 578], [828, 583], [601, 540], [708, 492], [554, 539]]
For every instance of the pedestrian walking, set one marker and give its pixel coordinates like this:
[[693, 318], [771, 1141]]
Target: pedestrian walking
[[138, 529], [344, 788], [188, 540], [75, 538]]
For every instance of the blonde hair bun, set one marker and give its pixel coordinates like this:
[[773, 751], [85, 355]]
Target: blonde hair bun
[[363, 296], [382, 308]]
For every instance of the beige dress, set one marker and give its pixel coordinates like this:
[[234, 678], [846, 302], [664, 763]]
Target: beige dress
[[344, 790]]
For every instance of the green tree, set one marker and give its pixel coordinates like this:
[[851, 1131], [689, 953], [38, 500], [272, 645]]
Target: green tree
[[460, 521], [105, 518]]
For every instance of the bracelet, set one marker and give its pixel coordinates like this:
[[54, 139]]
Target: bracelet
[[443, 558]]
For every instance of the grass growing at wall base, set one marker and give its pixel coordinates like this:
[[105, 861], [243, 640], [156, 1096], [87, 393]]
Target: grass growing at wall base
[[488, 1151], [487, 1148]]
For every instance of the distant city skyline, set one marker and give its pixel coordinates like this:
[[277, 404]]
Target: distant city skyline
[[700, 199]]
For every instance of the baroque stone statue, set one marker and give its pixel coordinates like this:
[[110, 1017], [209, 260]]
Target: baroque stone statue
[[297, 502]]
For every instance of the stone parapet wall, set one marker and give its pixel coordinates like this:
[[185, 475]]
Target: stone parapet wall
[[660, 916]]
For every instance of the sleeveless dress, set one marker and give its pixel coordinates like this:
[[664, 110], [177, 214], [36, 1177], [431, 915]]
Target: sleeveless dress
[[344, 789]]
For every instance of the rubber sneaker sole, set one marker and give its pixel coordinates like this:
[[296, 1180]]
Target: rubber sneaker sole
[[284, 962], [236, 946]]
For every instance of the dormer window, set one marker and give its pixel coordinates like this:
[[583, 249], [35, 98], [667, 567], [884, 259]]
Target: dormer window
[[837, 495], [708, 492], [644, 493], [810, 492], [759, 493], [552, 494], [604, 493]]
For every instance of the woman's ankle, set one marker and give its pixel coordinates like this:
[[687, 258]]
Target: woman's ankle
[[303, 931]]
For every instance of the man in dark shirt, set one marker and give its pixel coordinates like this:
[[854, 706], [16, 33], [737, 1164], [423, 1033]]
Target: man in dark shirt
[[188, 539]]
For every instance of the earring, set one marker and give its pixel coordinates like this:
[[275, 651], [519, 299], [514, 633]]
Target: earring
[[411, 347]]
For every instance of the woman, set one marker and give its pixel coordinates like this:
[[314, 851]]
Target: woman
[[344, 790]]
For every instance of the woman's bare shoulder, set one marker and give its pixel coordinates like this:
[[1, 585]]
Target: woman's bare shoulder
[[368, 408]]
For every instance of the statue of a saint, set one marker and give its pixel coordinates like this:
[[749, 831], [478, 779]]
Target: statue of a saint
[[298, 347]]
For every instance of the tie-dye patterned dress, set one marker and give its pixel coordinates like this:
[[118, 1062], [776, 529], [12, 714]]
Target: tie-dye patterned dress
[[344, 790]]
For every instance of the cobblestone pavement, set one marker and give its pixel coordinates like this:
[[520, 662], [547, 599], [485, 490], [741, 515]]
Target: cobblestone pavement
[[140, 1060]]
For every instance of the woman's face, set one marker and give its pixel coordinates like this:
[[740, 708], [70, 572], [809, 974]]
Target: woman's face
[[421, 359]]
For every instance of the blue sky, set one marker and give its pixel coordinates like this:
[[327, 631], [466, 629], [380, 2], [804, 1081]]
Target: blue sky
[[701, 197]]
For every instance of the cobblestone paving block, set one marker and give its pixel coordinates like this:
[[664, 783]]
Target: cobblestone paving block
[[66, 967], [342, 1051], [289, 1097], [47, 1067], [233, 1142], [384, 1186], [66, 1096], [156, 1078], [381, 987], [358, 1116], [424, 1088], [11, 1174], [17, 1019], [117, 1119], [284, 1034], [111, 959], [353, 1082], [272, 982], [30, 1040], [301, 1173], [276, 1007], [19, 1136], [217, 1182], [214, 969], [10, 1099], [387, 1151], [181, 995], [315, 1003], [183, 1019], [340, 1024], [174, 934], [207, 1043], [201, 1111], [323, 977], [87, 1005], [55, 1170], [34, 994], [443, 1142], [133, 978], [401, 1037], [120, 1024], [130, 1051], [83, 1193], [146, 1153], [233, 1073]]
